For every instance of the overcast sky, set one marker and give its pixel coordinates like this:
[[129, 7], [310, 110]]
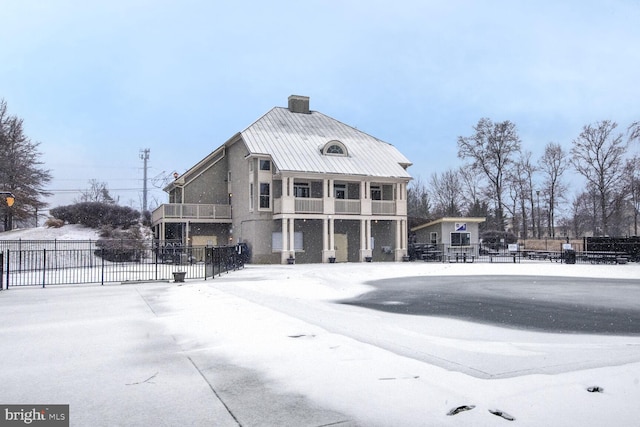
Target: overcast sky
[[98, 81]]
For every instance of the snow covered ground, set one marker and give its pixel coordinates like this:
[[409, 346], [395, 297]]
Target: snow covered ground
[[389, 369], [285, 323], [68, 232]]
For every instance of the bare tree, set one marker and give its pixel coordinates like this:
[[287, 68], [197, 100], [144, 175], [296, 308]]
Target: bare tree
[[470, 189], [492, 149], [634, 131], [514, 192], [97, 192], [553, 164], [632, 172], [597, 154], [581, 214], [446, 191], [521, 177], [21, 171], [528, 171], [418, 203]]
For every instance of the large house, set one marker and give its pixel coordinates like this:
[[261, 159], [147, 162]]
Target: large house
[[294, 184]]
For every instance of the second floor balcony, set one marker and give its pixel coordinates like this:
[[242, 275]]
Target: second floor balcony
[[180, 212], [304, 205]]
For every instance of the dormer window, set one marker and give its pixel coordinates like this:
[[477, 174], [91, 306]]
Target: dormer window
[[334, 148]]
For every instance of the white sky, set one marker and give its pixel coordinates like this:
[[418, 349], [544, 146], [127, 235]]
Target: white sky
[[96, 82]]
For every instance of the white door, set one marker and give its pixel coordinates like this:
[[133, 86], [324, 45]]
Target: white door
[[341, 247]]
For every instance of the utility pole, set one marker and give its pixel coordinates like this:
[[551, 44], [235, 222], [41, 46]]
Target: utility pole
[[144, 155]]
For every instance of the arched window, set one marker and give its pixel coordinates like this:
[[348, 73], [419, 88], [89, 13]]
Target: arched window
[[335, 148]]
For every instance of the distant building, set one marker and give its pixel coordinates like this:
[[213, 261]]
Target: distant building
[[450, 232], [294, 184]]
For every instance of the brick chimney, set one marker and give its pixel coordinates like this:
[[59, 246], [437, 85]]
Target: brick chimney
[[299, 104]]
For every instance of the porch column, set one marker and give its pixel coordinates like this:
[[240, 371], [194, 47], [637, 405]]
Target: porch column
[[365, 239], [284, 254], [405, 236], [328, 251], [398, 248], [332, 243], [292, 235], [401, 239], [325, 235]]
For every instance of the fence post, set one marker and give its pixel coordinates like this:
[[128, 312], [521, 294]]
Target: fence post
[[102, 269], [1, 270], [44, 267], [156, 251], [8, 267]]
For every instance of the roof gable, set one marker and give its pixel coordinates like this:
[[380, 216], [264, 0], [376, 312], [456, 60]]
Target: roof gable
[[295, 142]]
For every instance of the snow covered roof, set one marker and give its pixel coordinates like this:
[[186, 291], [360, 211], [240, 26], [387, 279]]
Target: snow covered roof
[[296, 142], [449, 219]]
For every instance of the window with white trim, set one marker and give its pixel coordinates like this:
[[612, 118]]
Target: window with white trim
[[376, 192], [265, 195], [460, 239], [334, 148], [265, 164], [301, 189], [251, 196], [276, 241]]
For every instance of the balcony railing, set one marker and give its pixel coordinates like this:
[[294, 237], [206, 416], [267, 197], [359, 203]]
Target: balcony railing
[[307, 205], [345, 206], [190, 211], [341, 206], [383, 207]]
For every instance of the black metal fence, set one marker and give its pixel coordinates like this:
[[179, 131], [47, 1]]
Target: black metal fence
[[480, 253], [84, 262], [630, 246]]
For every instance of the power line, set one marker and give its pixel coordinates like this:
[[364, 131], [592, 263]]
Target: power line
[[78, 190]]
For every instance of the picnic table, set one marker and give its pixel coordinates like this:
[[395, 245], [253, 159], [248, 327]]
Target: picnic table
[[538, 255], [461, 257]]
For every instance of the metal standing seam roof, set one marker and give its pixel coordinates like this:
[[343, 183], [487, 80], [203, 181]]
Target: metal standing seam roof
[[295, 140]]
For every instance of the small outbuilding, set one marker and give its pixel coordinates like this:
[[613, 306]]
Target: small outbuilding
[[449, 232]]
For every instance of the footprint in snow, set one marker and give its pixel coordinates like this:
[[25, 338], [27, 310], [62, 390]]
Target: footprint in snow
[[502, 414], [459, 409]]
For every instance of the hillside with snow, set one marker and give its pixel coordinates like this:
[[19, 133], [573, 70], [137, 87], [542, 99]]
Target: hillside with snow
[[67, 232]]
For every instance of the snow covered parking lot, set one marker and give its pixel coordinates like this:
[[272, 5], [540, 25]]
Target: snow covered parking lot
[[285, 325]]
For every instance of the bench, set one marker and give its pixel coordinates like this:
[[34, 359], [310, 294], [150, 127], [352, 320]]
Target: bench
[[538, 255]]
